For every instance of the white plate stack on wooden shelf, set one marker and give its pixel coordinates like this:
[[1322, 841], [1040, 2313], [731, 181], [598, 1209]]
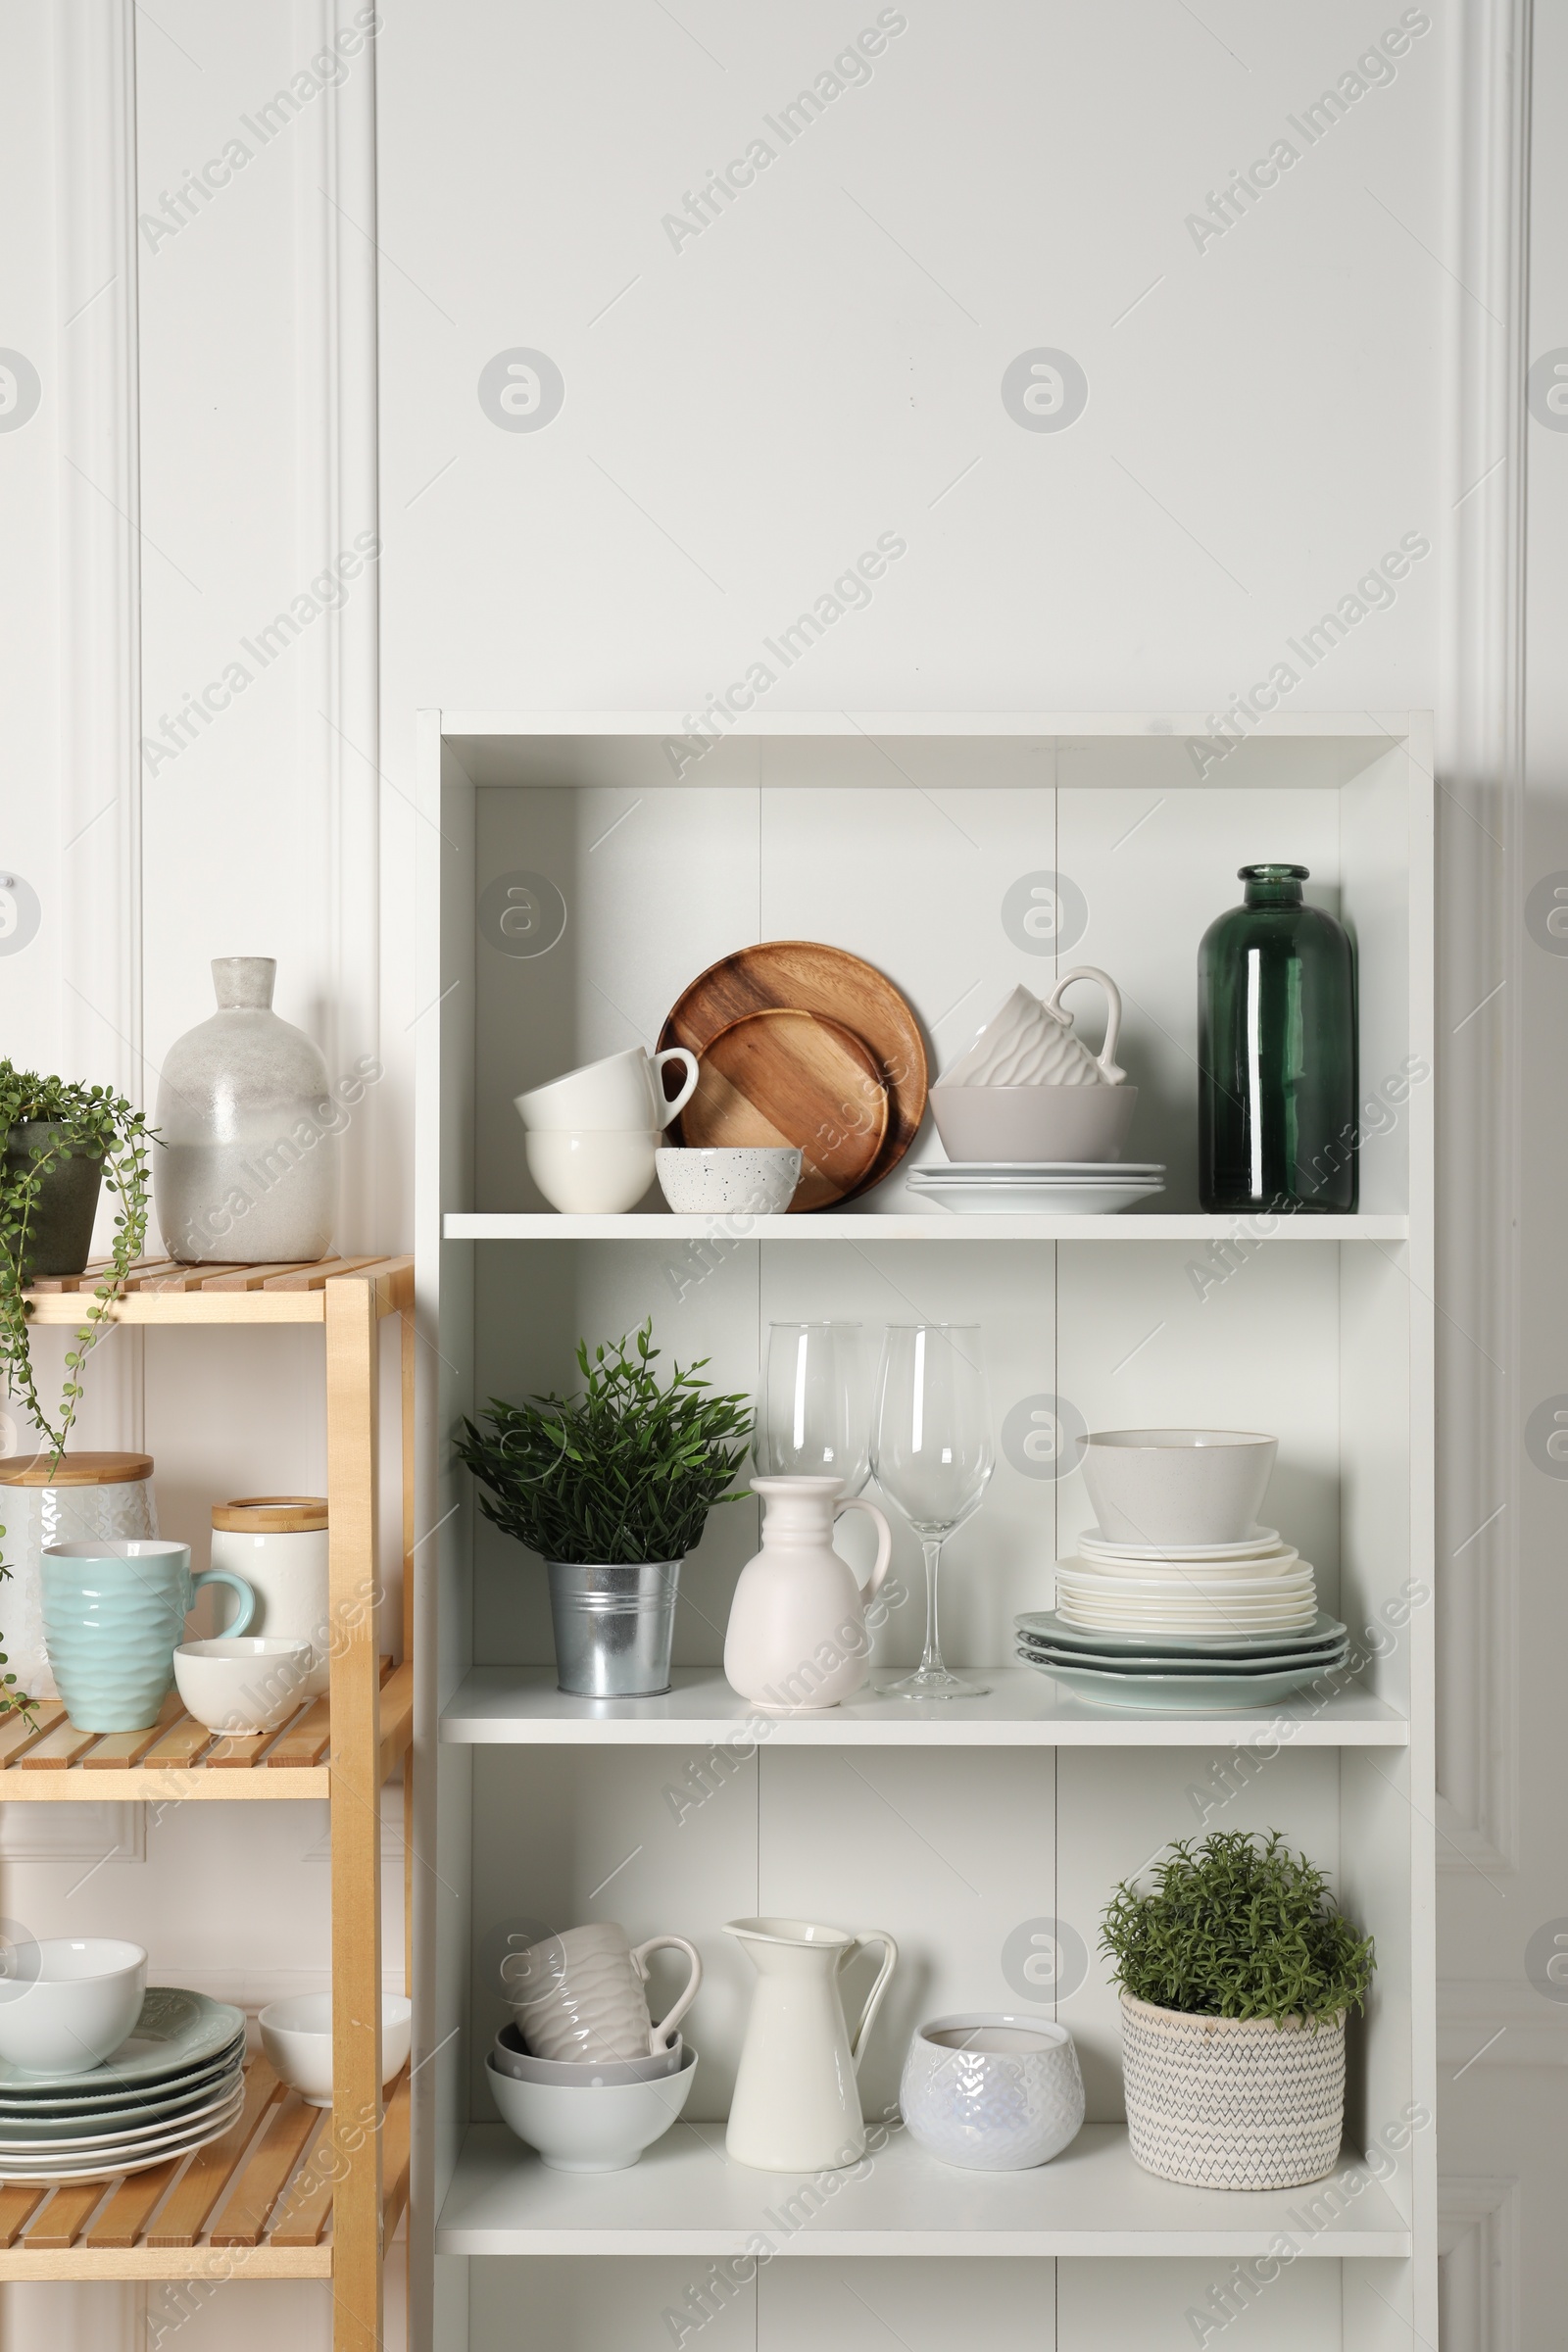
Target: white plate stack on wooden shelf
[[176, 2083]]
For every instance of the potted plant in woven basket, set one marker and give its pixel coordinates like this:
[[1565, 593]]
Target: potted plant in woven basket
[[1237, 1974], [612, 1487]]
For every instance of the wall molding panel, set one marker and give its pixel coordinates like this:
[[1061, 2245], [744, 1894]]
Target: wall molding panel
[[1478, 2265]]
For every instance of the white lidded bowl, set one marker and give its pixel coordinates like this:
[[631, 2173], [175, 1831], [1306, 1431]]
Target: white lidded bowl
[[244, 1683], [591, 2128], [297, 2036], [993, 2091], [1177, 1486], [714, 1180], [70, 2003]]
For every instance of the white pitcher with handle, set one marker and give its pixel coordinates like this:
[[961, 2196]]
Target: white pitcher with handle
[[797, 1642], [797, 2103]]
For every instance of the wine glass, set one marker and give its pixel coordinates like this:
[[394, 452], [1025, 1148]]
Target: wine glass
[[815, 1416], [932, 1454]]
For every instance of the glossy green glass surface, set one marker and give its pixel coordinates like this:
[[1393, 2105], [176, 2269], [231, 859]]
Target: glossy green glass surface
[[1277, 1053]]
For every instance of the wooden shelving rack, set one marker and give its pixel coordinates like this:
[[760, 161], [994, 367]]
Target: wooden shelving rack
[[290, 2191]]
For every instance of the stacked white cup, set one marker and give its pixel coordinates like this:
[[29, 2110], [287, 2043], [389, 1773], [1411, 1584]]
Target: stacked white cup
[[592, 1135]]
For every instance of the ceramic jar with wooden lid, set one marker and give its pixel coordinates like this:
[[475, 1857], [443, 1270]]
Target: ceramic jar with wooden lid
[[278, 1543], [83, 1495]]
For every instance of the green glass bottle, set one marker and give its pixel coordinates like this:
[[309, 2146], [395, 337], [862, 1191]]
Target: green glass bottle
[[1276, 1052]]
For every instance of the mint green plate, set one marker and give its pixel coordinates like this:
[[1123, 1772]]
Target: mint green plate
[[176, 2032]]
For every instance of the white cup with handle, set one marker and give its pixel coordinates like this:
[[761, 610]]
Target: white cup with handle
[[624, 1091], [581, 1995]]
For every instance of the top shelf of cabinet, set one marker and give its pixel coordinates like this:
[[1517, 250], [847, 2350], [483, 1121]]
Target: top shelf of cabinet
[[847, 1226]]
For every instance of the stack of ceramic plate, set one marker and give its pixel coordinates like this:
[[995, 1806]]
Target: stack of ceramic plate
[[1259, 1585], [175, 2085], [1005, 1188], [1183, 1673]]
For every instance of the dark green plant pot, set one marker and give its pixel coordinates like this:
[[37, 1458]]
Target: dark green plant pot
[[59, 1228]]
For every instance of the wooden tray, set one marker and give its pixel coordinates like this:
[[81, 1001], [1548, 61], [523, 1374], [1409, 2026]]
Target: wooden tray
[[801, 974], [785, 1076]]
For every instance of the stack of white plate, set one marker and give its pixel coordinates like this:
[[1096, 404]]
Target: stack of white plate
[[174, 2086], [1258, 1585], [1005, 1188]]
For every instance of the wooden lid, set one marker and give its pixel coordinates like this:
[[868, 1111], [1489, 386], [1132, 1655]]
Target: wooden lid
[[271, 1514], [75, 1470]]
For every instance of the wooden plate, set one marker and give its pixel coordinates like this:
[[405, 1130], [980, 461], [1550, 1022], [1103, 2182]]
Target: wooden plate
[[803, 975], [784, 1076]]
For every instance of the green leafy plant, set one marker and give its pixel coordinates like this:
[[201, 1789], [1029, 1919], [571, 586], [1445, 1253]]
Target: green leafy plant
[[1237, 1927], [93, 1123], [626, 1470]]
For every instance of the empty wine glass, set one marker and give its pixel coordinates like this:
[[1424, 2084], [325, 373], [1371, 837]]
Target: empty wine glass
[[932, 1454], [816, 1406]]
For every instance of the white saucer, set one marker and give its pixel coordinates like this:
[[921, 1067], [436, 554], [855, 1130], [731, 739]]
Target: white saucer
[[940, 1171], [1027, 1194], [1092, 1543]]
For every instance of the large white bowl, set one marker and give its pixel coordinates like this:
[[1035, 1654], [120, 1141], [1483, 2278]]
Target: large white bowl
[[754, 1181], [297, 2036], [72, 2004], [243, 1685], [1177, 1486], [591, 2128], [591, 1172], [1033, 1122]]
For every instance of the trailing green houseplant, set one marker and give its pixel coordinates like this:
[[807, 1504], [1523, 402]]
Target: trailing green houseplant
[[58, 1139]]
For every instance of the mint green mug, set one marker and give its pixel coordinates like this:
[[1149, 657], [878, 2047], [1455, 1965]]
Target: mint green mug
[[113, 1613]]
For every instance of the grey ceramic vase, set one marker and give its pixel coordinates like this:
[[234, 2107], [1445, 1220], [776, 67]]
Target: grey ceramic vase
[[245, 1169]]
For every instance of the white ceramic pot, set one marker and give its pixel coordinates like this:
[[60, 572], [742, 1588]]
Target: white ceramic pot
[[592, 2128], [992, 2092], [86, 1494], [245, 1686], [1232, 2102], [278, 1543], [797, 1642], [592, 1172], [297, 2036], [1033, 1123], [1178, 1486], [71, 2003], [715, 1181], [245, 1167], [623, 1090]]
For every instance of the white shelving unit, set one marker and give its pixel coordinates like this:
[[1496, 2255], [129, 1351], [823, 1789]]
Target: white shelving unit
[[899, 836]]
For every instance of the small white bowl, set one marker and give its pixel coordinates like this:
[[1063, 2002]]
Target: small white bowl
[[72, 2004], [719, 1182], [591, 2128], [243, 1684], [1177, 1486], [297, 2036], [509, 2057], [591, 1172], [992, 2092]]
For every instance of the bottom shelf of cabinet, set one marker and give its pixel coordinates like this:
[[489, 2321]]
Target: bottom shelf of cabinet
[[685, 2197], [256, 2204]]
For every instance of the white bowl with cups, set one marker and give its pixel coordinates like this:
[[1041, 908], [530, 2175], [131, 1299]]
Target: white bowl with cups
[[592, 1133]]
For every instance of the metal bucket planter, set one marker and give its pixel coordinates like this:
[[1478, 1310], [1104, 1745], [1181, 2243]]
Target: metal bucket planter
[[614, 1626], [1230, 2102], [59, 1228]]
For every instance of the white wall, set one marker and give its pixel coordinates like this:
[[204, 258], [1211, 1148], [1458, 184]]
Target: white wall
[[824, 363]]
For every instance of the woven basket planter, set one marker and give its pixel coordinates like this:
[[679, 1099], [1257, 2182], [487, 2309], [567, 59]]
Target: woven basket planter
[[1232, 2102]]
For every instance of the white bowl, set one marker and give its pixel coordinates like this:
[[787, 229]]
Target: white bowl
[[245, 1683], [589, 2127], [715, 1181], [71, 2003], [297, 2036], [591, 1172], [507, 2056], [1177, 1486], [1033, 1122], [990, 2091]]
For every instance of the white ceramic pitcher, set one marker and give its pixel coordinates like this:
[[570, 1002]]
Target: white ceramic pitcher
[[797, 2103], [797, 1642]]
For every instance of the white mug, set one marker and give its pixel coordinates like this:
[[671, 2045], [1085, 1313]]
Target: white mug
[[579, 1995], [625, 1091]]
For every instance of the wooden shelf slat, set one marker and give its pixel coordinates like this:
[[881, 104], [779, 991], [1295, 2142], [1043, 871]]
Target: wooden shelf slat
[[181, 1744], [125, 2216], [18, 2202], [117, 1750], [18, 1734], [266, 2174], [185, 2216], [58, 1749], [312, 1278], [185, 1278], [67, 2212], [306, 1742], [252, 1278]]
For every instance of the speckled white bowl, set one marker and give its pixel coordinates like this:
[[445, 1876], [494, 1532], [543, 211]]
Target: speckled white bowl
[[715, 1182]]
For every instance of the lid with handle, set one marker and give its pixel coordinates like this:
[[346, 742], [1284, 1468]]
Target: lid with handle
[[74, 1469], [271, 1514]]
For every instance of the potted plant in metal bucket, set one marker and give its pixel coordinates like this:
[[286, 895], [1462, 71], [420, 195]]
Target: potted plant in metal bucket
[[1237, 1974], [612, 1487]]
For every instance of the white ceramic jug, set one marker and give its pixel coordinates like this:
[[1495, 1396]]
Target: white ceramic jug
[[797, 1642], [797, 2103]]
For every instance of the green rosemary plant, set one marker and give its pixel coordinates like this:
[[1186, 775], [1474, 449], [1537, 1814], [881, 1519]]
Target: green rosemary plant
[[1237, 1927], [626, 1470]]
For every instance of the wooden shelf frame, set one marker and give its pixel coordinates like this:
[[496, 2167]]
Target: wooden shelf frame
[[262, 2203]]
